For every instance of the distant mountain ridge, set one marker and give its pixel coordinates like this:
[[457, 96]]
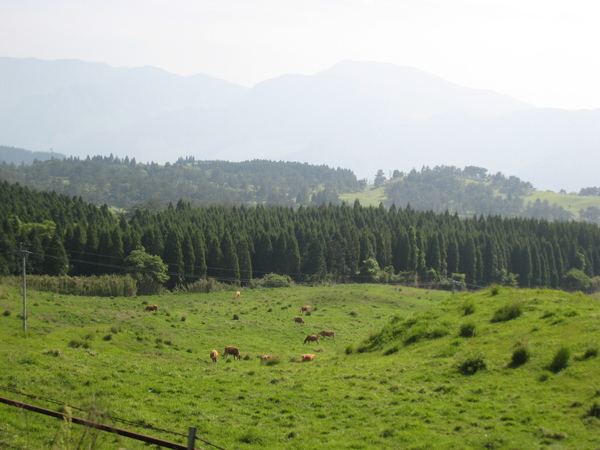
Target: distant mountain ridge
[[363, 116]]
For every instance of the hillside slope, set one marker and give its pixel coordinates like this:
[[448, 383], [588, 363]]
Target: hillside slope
[[116, 361]]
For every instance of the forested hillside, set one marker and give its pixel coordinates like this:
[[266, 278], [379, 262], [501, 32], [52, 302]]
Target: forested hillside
[[124, 183], [67, 235], [468, 191]]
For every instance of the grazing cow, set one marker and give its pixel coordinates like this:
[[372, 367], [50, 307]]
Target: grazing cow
[[312, 338], [325, 333], [306, 358], [237, 294], [304, 308], [299, 320], [265, 358], [232, 351], [152, 308], [214, 355]]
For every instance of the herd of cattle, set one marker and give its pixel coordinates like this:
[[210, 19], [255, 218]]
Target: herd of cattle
[[234, 351]]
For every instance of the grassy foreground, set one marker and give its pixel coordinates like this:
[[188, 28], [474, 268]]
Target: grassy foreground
[[408, 368]]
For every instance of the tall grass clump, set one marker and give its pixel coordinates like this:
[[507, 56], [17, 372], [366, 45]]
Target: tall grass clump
[[495, 290], [472, 365], [520, 356], [100, 286], [508, 312], [590, 352], [467, 330], [468, 307], [560, 361]]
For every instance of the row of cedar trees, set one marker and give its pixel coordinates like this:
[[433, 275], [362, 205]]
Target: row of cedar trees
[[65, 235]]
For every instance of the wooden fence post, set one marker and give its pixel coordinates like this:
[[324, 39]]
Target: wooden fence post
[[191, 438]]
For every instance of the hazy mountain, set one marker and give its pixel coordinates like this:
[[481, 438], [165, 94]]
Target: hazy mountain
[[46, 104], [18, 156], [359, 115]]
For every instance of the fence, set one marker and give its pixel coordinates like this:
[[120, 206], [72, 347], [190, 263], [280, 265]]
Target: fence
[[130, 434]]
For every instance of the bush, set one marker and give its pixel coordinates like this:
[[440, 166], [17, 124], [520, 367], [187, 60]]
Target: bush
[[508, 312], [272, 280], [472, 365], [206, 286], [6, 313], [520, 356], [495, 290], [575, 280], [560, 360], [467, 329]]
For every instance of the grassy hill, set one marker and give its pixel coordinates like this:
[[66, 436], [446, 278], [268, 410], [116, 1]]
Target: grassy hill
[[397, 375]]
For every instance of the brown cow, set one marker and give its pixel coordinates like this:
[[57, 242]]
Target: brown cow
[[312, 338], [299, 320], [152, 308], [306, 358], [304, 308], [232, 351], [325, 333], [214, 355], [265, 358], [237, 294]]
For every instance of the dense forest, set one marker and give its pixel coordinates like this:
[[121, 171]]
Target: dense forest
[[125, 183], [339, 243]]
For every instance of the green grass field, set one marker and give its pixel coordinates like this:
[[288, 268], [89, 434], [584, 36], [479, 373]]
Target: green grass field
[[408, 368]]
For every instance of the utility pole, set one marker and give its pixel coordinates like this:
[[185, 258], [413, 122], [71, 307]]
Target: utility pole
[[24, 259]]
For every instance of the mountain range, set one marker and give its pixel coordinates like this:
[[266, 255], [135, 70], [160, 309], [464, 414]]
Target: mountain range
[[363, 116]]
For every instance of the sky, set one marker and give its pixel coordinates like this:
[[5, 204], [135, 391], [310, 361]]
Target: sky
[[543, 52]]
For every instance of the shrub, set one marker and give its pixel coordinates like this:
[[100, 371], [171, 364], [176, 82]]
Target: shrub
[[472, 365], [495, 290], [108, 337], [508, 312], [236, 317], [520, 356], [560, 360], [272, 280], [349, 350], [206, 286], [7, 313], [467, 329]]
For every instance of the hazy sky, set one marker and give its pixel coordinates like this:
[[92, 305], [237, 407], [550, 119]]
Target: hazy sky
[[540, 51]]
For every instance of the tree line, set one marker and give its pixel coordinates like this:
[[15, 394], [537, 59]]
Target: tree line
[[338, 243], [125, 183]]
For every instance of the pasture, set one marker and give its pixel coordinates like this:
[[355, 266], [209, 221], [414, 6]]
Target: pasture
[[393, 377]]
